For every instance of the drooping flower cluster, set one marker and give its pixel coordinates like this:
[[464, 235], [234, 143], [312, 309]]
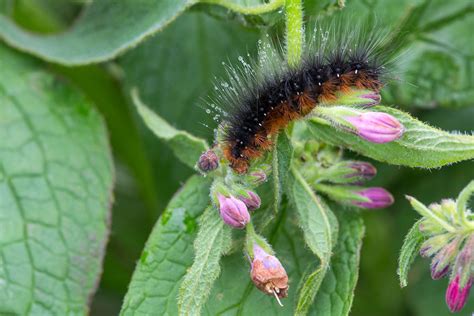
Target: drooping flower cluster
[[235, 197], [449, 230]]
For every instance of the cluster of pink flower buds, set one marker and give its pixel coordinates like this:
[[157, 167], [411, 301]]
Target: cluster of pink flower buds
[[450, 243], [456, 259], [235, 211]]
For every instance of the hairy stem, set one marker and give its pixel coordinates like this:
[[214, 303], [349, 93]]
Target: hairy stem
[[294, 31]]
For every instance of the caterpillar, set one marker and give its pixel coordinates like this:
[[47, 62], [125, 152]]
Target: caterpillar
[[266, 98]]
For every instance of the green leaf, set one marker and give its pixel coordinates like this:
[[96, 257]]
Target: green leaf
[[320, 228], [56, 178], [336, 293], [100, 86], [213, 241], [420, 146], [281, 161], [185, 146], [168, 253], [411, 247], [105, 29], [248, 6]]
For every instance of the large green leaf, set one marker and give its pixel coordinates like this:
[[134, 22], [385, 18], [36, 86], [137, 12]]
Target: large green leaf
[[320, 230], [212, 242], [434, 51], [336, 293], [105, 29], [420, 146], [56, 179], [168, 253]]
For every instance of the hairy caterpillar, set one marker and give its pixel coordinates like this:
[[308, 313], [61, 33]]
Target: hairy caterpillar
[[266, 98]]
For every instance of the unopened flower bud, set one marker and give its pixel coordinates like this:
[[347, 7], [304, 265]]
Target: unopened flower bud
[[443, 260], [464, 265], [359, 97], [233, 211], [208, 161], [376, 127], [456, 295], [434, 244], [257, 177], [378, 198], [252, 200], [268, 274], [348, 172]]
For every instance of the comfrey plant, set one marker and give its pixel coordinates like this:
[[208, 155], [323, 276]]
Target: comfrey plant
[[446, 234], [278, 153]]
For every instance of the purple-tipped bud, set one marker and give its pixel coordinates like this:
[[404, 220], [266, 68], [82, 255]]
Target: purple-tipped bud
[[441, 263], [363, 170], [437, 272], [378, 198], [252, 201], [376, 127], [456, 295], [257, 177], [268, 274], [233, 211], [372, 98], [208, 161]]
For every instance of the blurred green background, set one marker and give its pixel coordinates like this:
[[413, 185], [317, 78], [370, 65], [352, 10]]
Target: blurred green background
[[175, 69]]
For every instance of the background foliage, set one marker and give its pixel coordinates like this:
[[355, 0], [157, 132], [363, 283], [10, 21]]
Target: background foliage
[[174, 68]]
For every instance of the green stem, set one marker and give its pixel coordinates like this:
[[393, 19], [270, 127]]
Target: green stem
[[294, 31]]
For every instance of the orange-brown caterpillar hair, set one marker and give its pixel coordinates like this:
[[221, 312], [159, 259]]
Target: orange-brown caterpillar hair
[[263, 101]]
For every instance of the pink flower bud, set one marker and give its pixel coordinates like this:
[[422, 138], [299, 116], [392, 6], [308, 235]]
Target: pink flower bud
[[376, 127], [378, 198], [441, 263], [252, 201], [363, 170], [233, 211], [372, 98], [208, 161], [456, 295], [257, 177], [268, 274]]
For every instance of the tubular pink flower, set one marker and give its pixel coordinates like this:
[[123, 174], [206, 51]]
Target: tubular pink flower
[[456, 295], [268, 274], [233, 211], [376, 127], [378, 198], [252, 202]]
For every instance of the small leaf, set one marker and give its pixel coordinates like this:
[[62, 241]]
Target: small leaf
[[411, 247], [281, 161], [319, 226], [185, 146], [213, 241], [56, 180], [336, 293], [420, 146], [167, 253]]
